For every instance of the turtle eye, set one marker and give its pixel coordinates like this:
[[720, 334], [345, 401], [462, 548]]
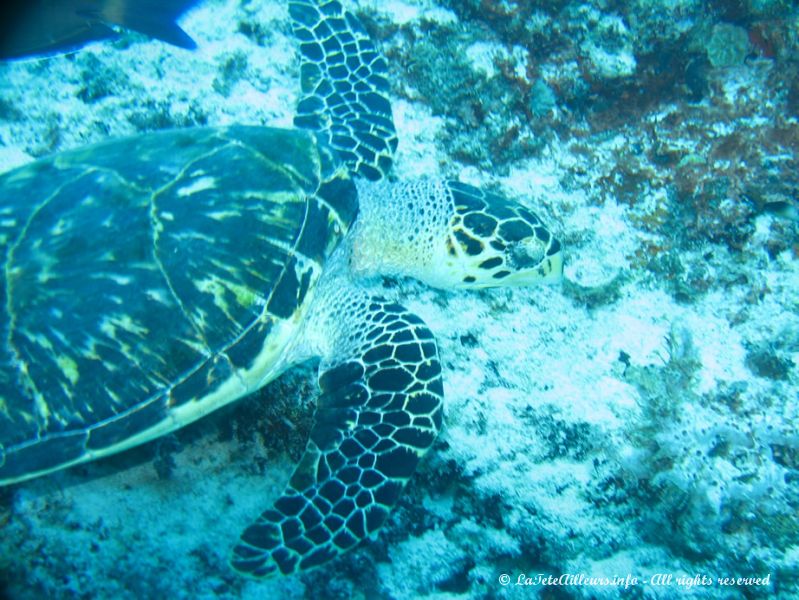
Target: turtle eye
[[525, 254]]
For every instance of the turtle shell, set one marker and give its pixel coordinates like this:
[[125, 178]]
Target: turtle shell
[[147, 281]]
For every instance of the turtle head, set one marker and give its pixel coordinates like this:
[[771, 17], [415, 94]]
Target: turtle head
[[451, 235], [494, 241]]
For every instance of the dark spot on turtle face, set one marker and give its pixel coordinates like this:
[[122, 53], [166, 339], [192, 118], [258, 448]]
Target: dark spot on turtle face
[[469, 279], [491, 263], [501, 274], [542, 234], [472, 246], [515, 230], [499, 209], [531, 218], [463, 188], [465, 205], [554, 248], [451, 248], [480, 224], [467, 198]]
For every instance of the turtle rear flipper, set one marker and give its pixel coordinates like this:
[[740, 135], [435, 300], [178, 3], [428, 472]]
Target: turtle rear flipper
[[379, 412]]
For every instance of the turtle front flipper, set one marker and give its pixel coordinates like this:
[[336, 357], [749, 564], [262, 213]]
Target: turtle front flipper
[[378, 413], [344, 86]]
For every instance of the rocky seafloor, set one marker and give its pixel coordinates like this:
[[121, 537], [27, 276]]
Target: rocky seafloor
[[639, 419]]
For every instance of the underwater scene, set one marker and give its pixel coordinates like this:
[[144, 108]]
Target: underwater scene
[[451, 299]]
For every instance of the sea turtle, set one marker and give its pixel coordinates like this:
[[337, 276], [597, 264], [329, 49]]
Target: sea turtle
[[148, 281]]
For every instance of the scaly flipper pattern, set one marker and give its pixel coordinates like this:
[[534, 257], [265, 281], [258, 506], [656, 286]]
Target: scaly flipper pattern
[[344, 86], [379, 412]]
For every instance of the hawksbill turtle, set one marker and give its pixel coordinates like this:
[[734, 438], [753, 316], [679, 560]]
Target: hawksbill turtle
[[150, 280]]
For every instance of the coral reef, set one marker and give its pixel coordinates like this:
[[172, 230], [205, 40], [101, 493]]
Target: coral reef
[[728, 45]]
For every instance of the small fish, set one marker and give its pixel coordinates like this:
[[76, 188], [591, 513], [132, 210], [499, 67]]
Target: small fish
[[46, 27], [781, 208]]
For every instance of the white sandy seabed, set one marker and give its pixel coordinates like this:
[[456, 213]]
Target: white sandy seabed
[[553, 459]]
